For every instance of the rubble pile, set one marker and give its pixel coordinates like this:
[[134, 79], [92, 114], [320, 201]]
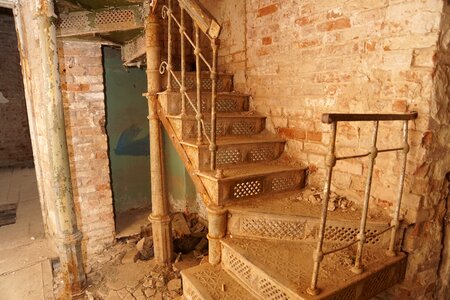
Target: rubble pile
[[315, 196], [127, 271]]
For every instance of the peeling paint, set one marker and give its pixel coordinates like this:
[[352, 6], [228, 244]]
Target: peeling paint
[[3, 99]]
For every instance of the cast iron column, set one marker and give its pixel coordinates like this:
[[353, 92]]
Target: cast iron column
[[160, 219], [68, 237]]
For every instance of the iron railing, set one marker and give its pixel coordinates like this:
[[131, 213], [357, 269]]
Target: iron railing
[[203, 22], [331, 160]]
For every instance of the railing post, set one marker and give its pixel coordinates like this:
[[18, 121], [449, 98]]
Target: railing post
[[318, 254], [198, 116], [395, 220], [357, 268], [169, 45], [183, 63], [213, 145]]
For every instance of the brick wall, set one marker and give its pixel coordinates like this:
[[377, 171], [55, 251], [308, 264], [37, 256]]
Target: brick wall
[[82, 87], [306, 58], [15, 144]]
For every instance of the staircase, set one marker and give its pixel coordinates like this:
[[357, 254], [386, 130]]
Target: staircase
[[271, 228], [270, 235]]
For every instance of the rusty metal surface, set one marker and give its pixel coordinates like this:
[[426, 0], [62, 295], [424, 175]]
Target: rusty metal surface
[[81, 23], [333, 119], [330, 118]]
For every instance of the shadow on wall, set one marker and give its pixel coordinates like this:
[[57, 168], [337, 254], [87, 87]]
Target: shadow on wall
[[130, 143]]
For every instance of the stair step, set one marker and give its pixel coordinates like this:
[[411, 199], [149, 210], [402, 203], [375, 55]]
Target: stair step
[[289, 217], [226, 102], [282, 270], [259, 179], [228, 124], [224, 81], [207, 282], [236, 151]]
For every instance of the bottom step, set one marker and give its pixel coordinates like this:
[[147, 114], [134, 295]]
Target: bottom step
[[281, 270], [209, 282]]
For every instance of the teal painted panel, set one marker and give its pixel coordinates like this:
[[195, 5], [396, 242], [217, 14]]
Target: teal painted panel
[[127, 129]]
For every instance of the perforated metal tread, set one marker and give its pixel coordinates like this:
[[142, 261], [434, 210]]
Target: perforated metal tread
[[225, 115], [236, 140], [297, 204], [212, 283], [226, 102], [257, 169], [281, 270]]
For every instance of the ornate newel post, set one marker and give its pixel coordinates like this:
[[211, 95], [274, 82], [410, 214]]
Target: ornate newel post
[[160, 219], [217, 227]]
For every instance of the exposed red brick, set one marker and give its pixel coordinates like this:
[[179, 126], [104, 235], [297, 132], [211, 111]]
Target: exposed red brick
[[292, 133], [267, 10], [308, 43], [335, 25], [304, 21], [267, 40], [314, 136], [400, 106]]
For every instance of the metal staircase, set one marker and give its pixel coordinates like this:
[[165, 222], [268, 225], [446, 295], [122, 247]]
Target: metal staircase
[[266, 240]]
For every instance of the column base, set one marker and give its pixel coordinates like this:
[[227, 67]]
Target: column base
[[71, 260], [162, 239]]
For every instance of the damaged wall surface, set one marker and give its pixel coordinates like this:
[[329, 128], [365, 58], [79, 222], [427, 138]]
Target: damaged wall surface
[[15, 143], [306, 58], [84, 102]]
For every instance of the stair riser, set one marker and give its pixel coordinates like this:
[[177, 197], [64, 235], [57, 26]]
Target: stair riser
[[298, 228], [254, 278], [232, 155], [187, 128], [228, 190], [190, 292], [226, 103], [224, 82]]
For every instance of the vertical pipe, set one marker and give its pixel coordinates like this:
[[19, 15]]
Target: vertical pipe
[[395, 221], [318, 254], [183, 63], [169, 46], [68, 236], [198, 116], [162, 235], [357, 268], [213, 146]]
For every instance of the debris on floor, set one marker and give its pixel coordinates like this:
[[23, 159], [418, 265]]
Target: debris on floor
[[127, 270], [315, 196]]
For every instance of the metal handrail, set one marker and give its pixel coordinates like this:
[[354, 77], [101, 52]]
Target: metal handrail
[[331, 160], [205, 23]]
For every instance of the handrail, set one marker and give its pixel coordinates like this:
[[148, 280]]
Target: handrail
[[203, 22], [202, 18], [336, 117], [331, 160]]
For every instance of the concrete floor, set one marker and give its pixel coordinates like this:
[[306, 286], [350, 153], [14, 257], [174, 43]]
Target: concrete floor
[[25, 269]]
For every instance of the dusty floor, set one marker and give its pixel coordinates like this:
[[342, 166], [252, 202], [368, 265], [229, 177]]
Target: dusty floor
[[24, 251], [118, 275]]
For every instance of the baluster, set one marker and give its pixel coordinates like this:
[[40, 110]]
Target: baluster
[[213, 146], [357, 268], [198, 116], [318, 254], [169, 45], [395, 221], [183, 63]]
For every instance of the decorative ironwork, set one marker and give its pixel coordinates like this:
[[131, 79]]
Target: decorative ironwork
[[363, 236], [211, 30]]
